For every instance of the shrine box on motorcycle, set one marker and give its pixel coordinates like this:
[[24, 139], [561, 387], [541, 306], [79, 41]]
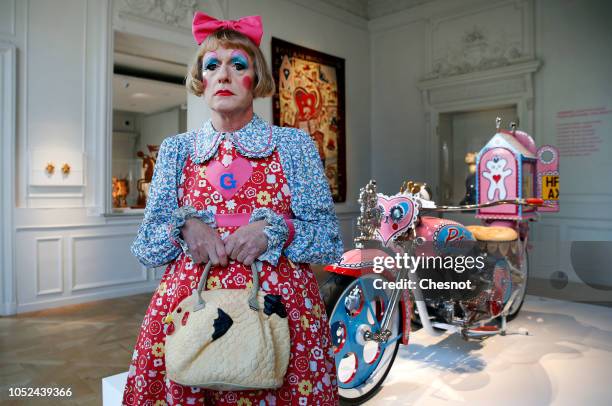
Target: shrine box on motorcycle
[[511, 167]]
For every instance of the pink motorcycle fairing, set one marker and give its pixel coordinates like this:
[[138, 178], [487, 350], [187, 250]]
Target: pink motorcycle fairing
[[353, 262], [443, 235]]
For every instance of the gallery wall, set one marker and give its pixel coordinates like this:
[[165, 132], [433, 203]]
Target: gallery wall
[[570, 87], [55, 91], [573, 104], [67, 247]]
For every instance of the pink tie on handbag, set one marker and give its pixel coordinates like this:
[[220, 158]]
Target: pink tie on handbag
[[203, 25]]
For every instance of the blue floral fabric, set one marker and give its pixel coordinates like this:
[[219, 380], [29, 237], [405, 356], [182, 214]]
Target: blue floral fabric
[[316, 238]]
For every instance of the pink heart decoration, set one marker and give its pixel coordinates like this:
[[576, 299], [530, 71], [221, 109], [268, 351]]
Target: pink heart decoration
[[388, 227], [307, 103], [228, 181]]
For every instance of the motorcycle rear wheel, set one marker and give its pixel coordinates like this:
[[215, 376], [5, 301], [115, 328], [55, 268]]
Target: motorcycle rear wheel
[[516, 307]]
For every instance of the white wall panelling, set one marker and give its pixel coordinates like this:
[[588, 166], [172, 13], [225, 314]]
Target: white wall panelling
[[577, 32], [428, 10], [98, 124], [476, 39], [8, 115], [552, 241], [158, 272], [49, 267], [149, 19], [94, 263], [40, 177], [103, 260], [8, 16], [342, 15], [545, 254], [166, 14], [22, 109], [56, 97]]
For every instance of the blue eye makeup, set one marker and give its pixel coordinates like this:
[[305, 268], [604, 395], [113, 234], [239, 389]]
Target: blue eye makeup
[[240, 62], [211, 64]]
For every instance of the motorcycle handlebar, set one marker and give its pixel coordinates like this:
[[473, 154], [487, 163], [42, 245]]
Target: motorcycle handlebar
[[533, 201]]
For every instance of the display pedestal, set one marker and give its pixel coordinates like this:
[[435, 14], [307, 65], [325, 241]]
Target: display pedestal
[[565, 360], [112, 389]]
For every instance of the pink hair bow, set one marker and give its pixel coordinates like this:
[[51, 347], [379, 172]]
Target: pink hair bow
[[204, 25]]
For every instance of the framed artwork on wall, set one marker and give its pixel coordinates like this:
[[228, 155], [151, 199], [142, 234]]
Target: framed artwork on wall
[[310, 96]]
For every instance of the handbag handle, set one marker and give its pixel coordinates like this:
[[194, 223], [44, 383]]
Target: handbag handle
[[255, 268]]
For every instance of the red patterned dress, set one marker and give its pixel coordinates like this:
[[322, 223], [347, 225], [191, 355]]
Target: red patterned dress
[[226, 184]]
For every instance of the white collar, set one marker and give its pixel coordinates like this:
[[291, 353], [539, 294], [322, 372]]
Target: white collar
[[254, 140]]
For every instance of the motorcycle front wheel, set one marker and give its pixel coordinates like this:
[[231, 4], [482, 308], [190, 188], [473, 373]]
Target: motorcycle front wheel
[[362, 365]]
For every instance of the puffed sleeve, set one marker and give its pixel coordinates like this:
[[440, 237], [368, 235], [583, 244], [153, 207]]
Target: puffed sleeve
[[313, 235], [158, 241]]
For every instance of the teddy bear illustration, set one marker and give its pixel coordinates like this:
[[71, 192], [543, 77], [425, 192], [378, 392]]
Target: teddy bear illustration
[[496, 176]]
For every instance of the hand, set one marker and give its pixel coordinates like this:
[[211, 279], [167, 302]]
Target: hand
[[204, 242], [247, 243]]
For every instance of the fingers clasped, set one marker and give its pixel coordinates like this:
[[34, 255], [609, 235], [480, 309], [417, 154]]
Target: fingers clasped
[[244, 245], [243, 249]]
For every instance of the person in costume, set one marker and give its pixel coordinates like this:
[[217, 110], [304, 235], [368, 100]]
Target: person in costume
[[235, 191]]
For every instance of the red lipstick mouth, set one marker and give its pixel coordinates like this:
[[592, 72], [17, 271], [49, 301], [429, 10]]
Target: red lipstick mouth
[[224, 92]]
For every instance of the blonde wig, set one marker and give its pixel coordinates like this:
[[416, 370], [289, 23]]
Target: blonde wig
[[264, 83]]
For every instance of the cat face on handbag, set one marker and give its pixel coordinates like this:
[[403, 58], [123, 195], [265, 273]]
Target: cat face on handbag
[[223, 322]]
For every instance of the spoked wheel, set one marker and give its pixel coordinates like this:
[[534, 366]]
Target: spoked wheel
[[362, 365], [516, 306]]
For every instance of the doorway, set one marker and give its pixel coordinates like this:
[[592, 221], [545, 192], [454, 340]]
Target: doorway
[[460, 133]]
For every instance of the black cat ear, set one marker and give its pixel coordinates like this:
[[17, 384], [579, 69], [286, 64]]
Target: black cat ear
[[273, 304], [281, 311], [221, 324], [270, 298]]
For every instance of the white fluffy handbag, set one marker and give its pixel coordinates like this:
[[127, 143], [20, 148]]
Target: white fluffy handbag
[[229, 339]]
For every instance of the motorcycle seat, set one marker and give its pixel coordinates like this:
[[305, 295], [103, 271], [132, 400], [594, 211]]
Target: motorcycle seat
[[493, 233]]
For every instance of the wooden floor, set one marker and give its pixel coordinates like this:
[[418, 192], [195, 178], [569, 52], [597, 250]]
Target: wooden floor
[[72, 347], [69, 347]]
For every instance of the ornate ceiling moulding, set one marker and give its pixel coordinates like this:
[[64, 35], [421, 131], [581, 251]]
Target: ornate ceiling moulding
[[492, 36], [176, 13], [381, 8]]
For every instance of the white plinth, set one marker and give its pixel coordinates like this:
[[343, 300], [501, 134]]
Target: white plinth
[[112, 389], [566, 360]]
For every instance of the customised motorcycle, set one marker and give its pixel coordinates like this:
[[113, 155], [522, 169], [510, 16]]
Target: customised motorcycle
[[372, 289]]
